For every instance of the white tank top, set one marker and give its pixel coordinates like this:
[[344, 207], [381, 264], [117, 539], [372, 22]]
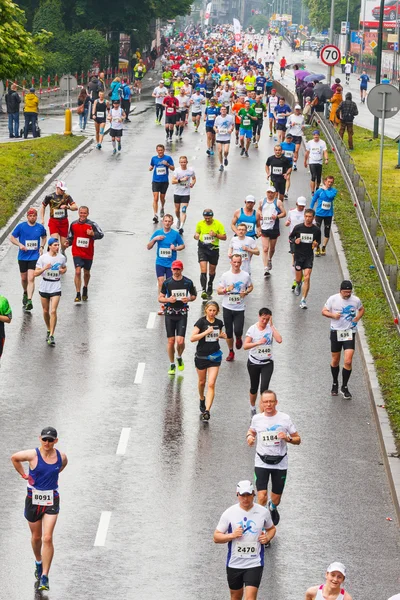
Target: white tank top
[[319, 595], [267, 210]]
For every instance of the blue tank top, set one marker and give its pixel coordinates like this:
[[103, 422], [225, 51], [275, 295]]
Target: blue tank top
[[250, 222], [45, 476]]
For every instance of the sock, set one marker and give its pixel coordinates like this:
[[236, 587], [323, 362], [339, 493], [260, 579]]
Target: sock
[[203, 280], [172, 365], [167, 131], [210, 280], [345, 376], [38, 562], [335, 373], [271, 505], [113, 144], [181, 129]]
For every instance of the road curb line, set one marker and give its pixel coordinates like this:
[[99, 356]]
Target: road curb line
[[385, 434], [33, 197]]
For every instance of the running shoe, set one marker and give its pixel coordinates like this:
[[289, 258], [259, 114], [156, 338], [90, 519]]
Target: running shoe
[[294, 167], [237, 143], [44, 583], [335, 389], [239, 343], [221, 167], [84, 294], [38, 570], [78, 297], [294, 284], [155, 219], [297, 289], [208, 151], [98, 146], [205, 415], [114, 151], [204, 295], [344, 390], [256, 145], [181, 364], [274, 513], [246, 154], [253, 411], [303, 303], [203, 405], [47, 335], [286, 196], [209, 291], [231, 356], [162, 213], [225, 162], [242, 152], [270, 135], [211, 152], [253, 140], [266, 272], [172, 370], [157, 122], [51, 341], [178, 224], [24, 299], [161, 312], [28, 305], [119, 146], [323, 251], [181, 230], [318, 252]]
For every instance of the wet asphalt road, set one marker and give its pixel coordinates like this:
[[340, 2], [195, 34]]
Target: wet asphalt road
[[166, 493]]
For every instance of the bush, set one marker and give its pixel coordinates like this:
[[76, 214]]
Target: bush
[[85, 47]]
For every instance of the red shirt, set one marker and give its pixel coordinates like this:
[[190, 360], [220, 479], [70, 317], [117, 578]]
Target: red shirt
[[82, 243], [283, 63], [171, 104]]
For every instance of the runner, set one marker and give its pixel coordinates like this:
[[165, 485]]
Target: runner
[[248, 216], [345, 310], [295, 217], [176, 292], [289, 151], [295, 125], [270, 210], [223, 127], [260, 365], [261, 111], [334, 578], [305, 237], [82, 234], [207, 332], [159, 93], [30, 237], [5, 317], [184, 179], [278, 169], [116, 117], [210, 115], [247, 528], [208, 233], [50, 266], [196, 101], [99, 114], [239, 104], [364, 79], [282, 112], [243, 245], [171, 103], [282, 66], [42, 503], [234, 286], [316, 153], [169, 242], [160, 165], [273, 430], [181, 113], [60, 203], [167, 78], [324, 197], [247, 115], [139, 71], [272, 104]]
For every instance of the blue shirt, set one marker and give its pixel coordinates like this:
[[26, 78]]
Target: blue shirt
[[126, 91], [281, 110], [29, 235], [166, 256], [260, 83], [364, 80], [160, 171], [288, 150], [211, 114], [324, 199]]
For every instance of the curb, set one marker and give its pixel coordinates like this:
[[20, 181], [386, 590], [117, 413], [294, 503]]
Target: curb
[[386, 439], [31, 199]]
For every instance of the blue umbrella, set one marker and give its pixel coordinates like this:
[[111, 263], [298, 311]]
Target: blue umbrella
[[310, 78]]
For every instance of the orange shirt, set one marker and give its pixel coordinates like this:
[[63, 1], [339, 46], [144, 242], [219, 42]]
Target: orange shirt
[[236, 107]]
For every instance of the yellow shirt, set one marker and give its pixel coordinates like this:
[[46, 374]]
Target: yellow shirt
[[201, 71], [177, 85], [203, 229], [249, 82]]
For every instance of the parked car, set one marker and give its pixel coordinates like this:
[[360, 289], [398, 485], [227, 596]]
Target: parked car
[[309, 45], [391, 11]]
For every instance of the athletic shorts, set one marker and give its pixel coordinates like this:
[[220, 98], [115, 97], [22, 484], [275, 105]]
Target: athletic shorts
[[272, 234], [297, 139], [280, 186], [280, 126], [84, 263], [339, 346], [2, 342], [27, 265], [208, 254], [210, 130], [35, 513], [117, 133], [179, 117], [278, 479], [223, 141], [316, 172], [59, 226], [247, 133], [49, 295], [170, 119], [327, 224], [271, 115], [162, 271], [160, 186], [203, 363], [237, 126], [239, 578], [181, 199], [175, 325], [196, 114], [303, 262]]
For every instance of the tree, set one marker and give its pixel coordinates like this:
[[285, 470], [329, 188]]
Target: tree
[[319, 14], [259, 22], [85, 47], [50, 18], [19, 50]]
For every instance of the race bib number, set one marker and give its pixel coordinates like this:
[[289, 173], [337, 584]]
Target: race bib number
[[326, 205], [246, 122], [288, 153], [170, 110], [223, 130], [281, 116], [234, 299], [53, 274], [277, 170], [344, 335], [266, 220], [165, 253], [207, 238], [161, 170], [244, 255], [270, 438], [258, 110], [179, 294], [264, 351], [211, 117], [42, 497], [246, 550], [250, 227], [31, 244], [82, 242], [59, 213], [212, 337], [140, 69], [100, 114], [306, 238]]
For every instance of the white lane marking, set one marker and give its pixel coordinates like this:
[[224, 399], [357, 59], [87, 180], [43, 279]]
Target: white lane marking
[[102, 528], [123, 440], [151, 320], [139, 372]]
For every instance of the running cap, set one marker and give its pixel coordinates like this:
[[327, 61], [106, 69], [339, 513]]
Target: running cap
[[289, 135], [273, 90], [297, 106], [346, 285], [337, 566], [315, 132], [161, 81], [32, 90], [301, 201], [49, 432], [116, 101], [396, 597], [208, 213], [271, 189], [245, 487], [52, 240], [177, 264], [32, 211], [250, 198], [62, 185]]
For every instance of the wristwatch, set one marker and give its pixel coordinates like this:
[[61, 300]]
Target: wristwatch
[[289, 437]]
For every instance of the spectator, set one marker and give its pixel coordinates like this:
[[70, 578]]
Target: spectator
[[126, 93], [335, 85], [31, 110], [13, 100], [336, 100], [153, 56], [309, 91], [115, 93], [385, 79], [83, 108], [346, 112], [94, 88], [307, 109]]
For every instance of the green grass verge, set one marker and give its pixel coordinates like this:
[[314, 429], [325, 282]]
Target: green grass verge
[[383, 339], [24, 166]]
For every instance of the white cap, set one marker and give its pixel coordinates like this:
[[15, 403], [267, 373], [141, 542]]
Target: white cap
[[245, 487], [396, 597], [337, 566], [271, 188], [301, 201], [250, 198], [298, 106], [62, 185]]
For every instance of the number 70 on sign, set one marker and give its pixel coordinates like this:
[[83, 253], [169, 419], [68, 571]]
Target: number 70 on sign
[[330, 55]]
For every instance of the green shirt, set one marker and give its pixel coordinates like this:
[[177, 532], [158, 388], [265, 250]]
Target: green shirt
[[167, 77], [203, 229], [245, 121], [259, 109], [5, 310]]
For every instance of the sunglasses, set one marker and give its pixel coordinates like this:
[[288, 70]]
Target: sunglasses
[[50, 440], [208, 214]]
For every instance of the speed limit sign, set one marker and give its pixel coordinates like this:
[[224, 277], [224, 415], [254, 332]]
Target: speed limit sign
[[330, 55]]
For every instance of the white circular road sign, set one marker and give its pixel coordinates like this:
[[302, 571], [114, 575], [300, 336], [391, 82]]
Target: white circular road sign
[[330, 55]]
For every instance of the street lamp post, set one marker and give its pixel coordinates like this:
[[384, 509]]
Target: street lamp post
[[331, 70], [379, 60]]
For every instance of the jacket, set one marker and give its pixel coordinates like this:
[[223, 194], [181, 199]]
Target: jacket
[[94, 88], [13, 101], [31, 103], [347, 111]]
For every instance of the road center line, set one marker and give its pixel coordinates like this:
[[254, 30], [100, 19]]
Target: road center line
[[123, 440], [151, 321], [102, 528], [140, 372]]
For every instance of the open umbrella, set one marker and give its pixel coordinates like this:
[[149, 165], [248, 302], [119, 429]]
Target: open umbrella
[[322, 90], [314, 77], [300, 75]]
